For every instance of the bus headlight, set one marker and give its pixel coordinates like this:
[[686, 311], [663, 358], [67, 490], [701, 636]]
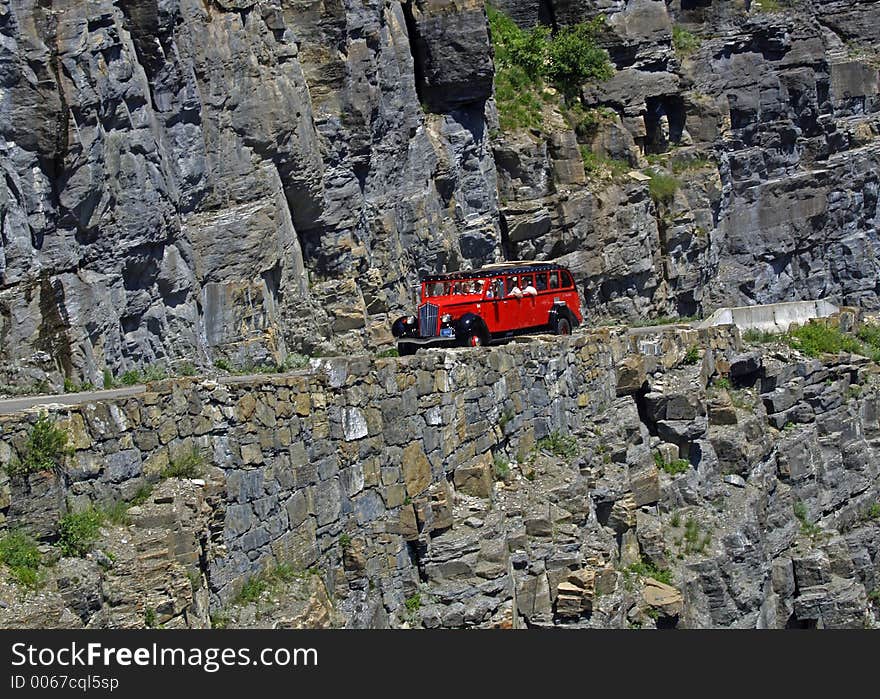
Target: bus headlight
[[446, 318]]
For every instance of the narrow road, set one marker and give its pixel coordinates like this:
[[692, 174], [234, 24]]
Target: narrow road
[[17, 405]]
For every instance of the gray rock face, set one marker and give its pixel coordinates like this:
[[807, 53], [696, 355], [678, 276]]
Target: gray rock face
[[196, 180], [774, 120], [187, 181]]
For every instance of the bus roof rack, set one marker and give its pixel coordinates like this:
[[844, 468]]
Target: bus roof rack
[[517, 267]]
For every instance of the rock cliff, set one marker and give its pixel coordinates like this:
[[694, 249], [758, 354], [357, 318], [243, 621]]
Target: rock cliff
[[188, 180]]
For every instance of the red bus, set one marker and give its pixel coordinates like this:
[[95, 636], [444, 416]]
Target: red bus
[[495, 302]]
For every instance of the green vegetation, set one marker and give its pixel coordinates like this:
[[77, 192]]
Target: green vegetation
[[814, 339], [108, 379], [695, 540], [722, 383], [388, 353], [692, 355], [78, 531], [682, 166], [873, 512], [683, 41], [675, 519], [186, 369], [647, 569], [142, 495], [150, 617], [574, 58], [345, 542], [559, 445], [70, 386], [188, 465], [586, 122], [768, 5], [673, 468], [662, 187], [45, 446], [762, 337], [602, 167], [527, 61], [413, 603], [273, 578], [19, 551], [501, 468], [807, 527], [504, 419]]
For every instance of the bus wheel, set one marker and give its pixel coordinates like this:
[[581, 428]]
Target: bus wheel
[[563, 327], [475, 340]]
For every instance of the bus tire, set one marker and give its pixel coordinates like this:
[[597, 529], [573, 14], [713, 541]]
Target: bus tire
[[563, 326]]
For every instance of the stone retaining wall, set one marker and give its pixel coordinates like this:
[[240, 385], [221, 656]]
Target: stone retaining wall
[[353, 448]]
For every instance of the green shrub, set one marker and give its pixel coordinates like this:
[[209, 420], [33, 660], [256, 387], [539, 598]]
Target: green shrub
[[413, 603], [142, 495], [345, 542], [78, 531], [722, 383], [807, 527], [19, 551], [186, 369], [598, 166], [270, 579], [574, 58], [870, 335], [150, 617], [44, 449], [388, 353], [684, 42], [295, 360], [132, 377], [692, 355], [109, 381], [189, 465], [673, 468], [117, 513], [695, 541], [223, 365], [814, 339], [646, 569], [559, 445], [252, 589], [662, 187], [525, 59], [759, 336], [586, 122], [501, 468]]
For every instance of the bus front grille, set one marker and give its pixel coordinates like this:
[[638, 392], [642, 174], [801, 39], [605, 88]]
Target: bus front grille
[[428, 320]]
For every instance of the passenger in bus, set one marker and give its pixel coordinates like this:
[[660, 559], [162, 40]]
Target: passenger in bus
[[530, 290], [515, 291]]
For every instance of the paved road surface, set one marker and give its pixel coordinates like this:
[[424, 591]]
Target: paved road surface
[[16, 405]]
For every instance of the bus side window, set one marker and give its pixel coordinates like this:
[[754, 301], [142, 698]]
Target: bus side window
[[498, 288], [541, 282], [566, 279], [510, 282], [554, 279]]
